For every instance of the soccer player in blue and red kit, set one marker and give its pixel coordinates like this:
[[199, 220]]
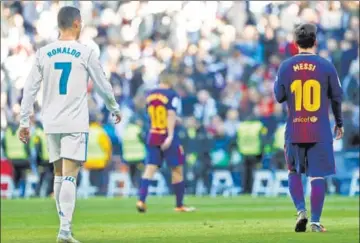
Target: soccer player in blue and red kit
[[163, 144], [309, 83]]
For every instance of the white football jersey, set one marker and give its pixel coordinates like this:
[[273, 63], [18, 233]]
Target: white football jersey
[[64, 67]]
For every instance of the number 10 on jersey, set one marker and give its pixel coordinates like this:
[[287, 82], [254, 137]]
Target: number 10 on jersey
[[307, 95], [64, 78]]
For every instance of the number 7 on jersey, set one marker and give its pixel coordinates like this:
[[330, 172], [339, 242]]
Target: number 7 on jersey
[[64, 78]]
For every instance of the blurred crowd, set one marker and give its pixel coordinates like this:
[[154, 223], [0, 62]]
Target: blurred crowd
[[225, 55]]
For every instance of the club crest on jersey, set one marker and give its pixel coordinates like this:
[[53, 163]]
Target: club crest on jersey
[[308, 119]]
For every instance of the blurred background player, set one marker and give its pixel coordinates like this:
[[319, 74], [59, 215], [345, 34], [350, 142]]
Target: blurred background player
[[65, 66], [307, 82], [163, 142]]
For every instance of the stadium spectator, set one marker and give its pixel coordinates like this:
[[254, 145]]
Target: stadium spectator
[[250, 141], [196, 142], [40, 156], [99, 153], [220, 150], [17, 152], [231, 123], [133, 149], [205, 109]]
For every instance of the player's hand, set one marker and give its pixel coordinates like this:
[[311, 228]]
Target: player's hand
[[166, 144], [117, 118], [339, 132], [24, 134]]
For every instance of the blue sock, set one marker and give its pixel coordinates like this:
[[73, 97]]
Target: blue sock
[[296, 191], [143, 192], [179, 189], [317, 199]]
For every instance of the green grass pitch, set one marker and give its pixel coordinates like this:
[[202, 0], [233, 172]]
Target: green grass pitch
[[240, 219]]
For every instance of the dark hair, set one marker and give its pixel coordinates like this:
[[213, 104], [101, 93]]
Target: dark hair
[[66, 17], [305, 35]]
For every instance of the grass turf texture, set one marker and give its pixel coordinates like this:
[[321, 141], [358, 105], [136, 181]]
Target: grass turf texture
[[219, 220]]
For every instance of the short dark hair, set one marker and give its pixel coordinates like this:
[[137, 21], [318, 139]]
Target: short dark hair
[[66, 17], [305, 35]]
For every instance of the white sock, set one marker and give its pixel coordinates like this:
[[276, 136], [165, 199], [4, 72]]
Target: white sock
[[67, 199], [57, 187], [317, 223]]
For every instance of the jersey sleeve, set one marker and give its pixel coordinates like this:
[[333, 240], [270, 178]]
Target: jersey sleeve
[[31, 88], [335, 94], [174, 103], [101, 84], [279, 87]]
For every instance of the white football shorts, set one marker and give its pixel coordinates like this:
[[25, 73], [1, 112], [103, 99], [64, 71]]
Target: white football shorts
[[67, 146]]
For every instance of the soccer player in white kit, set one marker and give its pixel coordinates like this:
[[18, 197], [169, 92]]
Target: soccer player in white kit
[[65, 66]]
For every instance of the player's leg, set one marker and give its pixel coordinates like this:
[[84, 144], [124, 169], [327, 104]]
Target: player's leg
[[57, 183], [53, 143], [321, 163], [73, 152], [178, 183], [175, 158], [146, 179], [153, 161], [67, 199], [317, 197], [295, 158], [67, 195], [177, 180]]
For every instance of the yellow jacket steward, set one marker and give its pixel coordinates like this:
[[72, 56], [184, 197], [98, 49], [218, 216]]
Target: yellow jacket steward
[[14, 148], [99, 148], [279, 137], [132, 147], [249, 138], [40, 137]]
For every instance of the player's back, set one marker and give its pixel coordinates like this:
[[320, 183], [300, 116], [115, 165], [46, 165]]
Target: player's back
[[65, 78], [158, 102], [308, 80]]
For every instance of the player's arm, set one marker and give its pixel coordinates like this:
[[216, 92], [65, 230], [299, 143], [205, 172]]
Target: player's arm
[[171, 107], [279, 87], [102, 85], [335, 94], [172, 118], [174, 108], [31, 88]]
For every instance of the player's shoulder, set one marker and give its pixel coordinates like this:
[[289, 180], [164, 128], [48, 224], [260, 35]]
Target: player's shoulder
[[286, 62], [172, 92], [83, 48], [325, 63], [150, 91]]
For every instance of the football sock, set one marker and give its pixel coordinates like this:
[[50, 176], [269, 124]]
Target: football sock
[[317, 199], [296, 191], [144, 186], [179, 189], [67, 199], [57, 187]]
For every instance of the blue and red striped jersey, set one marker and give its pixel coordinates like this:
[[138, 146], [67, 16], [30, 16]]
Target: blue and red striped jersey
[[158, 103], [308, 83]]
